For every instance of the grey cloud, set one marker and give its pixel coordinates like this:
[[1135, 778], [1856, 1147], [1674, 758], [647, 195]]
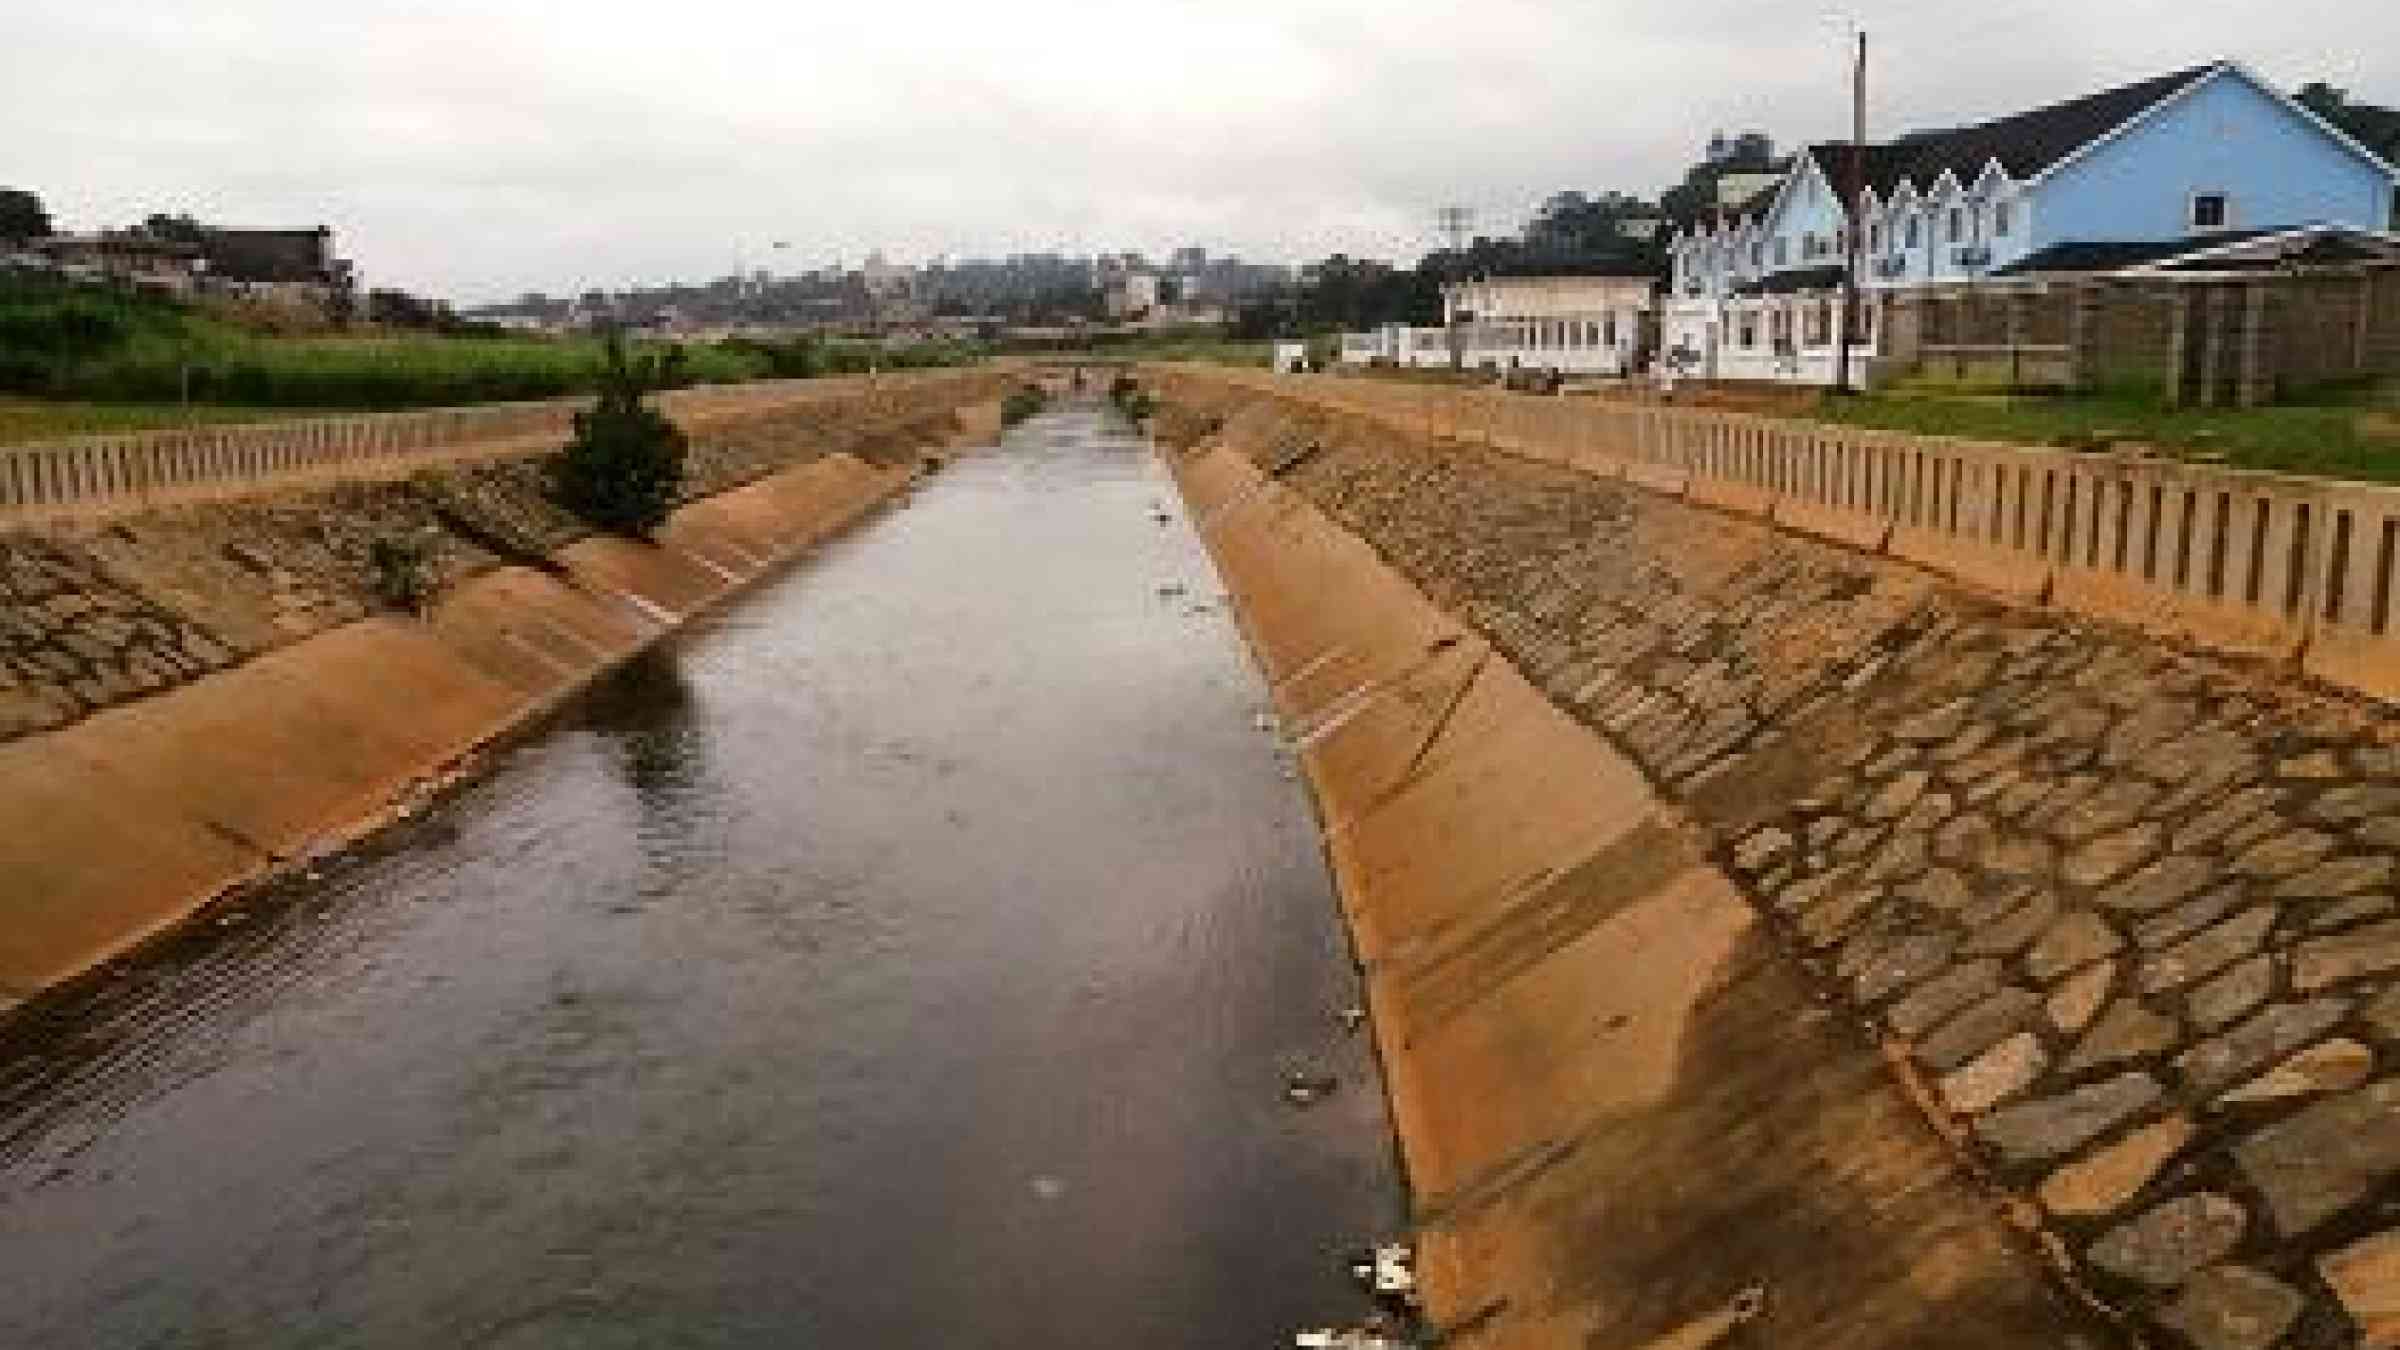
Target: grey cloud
[[476, 147]]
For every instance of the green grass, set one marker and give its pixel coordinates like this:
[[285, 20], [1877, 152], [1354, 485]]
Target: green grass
[[1213, 350], [410, 371], [2340, 433], [90, 345], [23, 420]]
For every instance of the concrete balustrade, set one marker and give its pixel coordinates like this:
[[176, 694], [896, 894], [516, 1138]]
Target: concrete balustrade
[[2276, 565], [94, 474]]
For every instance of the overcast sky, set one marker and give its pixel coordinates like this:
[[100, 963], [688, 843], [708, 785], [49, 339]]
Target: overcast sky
[[476, 148]]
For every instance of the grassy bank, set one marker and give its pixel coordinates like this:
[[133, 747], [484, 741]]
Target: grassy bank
[[40, 419], [91, 348], [2341, 433], [1214, 350]]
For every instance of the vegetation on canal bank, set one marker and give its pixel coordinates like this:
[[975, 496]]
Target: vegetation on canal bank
[[37, 419], [118, 360], [1175, 347], [626, 462], [1022, 402], [1131, 399], [2346, 432]]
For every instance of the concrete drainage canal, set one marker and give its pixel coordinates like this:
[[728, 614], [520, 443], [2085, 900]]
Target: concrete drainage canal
[[935, 948]]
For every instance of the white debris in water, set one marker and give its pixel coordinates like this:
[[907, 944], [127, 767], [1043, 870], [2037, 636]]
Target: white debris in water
[[1302, 1087], [1048, 1188], [1353, 1338], [1395, 1270]]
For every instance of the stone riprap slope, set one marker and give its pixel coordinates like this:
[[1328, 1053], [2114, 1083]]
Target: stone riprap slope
[[2122, 916], [93, 614]]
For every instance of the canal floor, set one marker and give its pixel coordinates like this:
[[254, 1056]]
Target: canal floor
[[909, 955]]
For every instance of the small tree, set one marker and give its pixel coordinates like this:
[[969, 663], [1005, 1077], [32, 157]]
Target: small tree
[[179, 228], [22, 216], [626, 462], [1022, 402]]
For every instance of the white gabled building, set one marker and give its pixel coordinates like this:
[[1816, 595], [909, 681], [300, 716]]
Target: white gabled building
[[1576, 325], [1396, 344], [1361, 349]]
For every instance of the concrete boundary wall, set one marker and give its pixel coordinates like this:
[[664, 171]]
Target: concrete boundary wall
[[2277, 565], [85, 475], [119, 826]]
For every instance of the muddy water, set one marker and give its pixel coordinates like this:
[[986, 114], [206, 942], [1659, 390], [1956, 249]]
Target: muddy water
[[907, 957]]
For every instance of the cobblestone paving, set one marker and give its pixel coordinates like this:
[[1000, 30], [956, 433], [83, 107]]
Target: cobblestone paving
[[93, 615], [72, 638], [2128, 914]]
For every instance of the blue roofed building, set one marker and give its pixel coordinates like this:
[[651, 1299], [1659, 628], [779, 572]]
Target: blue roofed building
[[2135, 175]]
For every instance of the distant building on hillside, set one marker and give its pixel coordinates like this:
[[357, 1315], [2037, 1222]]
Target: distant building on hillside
[[885, 280], [1131, 294], [125, 257], [293, 267]]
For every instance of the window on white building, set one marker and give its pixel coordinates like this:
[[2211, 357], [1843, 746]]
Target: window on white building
[[2210, 211], [1912, 231], [2002, 219], [1782, 251], [1958, 225], [1608, 331]]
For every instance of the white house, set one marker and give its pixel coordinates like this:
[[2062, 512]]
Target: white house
[[1130, 295], [2186, 158], [1576, 325], [1395, 344]]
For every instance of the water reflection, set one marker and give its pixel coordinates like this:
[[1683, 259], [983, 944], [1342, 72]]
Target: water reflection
[[646, 709], [649, 725]]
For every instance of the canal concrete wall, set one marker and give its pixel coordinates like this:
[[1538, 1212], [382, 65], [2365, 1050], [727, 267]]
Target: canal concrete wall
[[193, 699], [1748, 913]]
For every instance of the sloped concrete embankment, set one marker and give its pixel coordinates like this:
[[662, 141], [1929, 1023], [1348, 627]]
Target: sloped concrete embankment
[[204, 695], [1622, 1112], [1699, 867]]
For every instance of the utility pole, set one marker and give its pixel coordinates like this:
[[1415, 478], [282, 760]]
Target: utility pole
[[1455, 223], [1857, 214]]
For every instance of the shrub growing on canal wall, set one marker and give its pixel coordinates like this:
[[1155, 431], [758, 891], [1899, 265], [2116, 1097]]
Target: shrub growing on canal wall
[[1022, 402], [1131, 399], [403, 570], [625, 465]]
